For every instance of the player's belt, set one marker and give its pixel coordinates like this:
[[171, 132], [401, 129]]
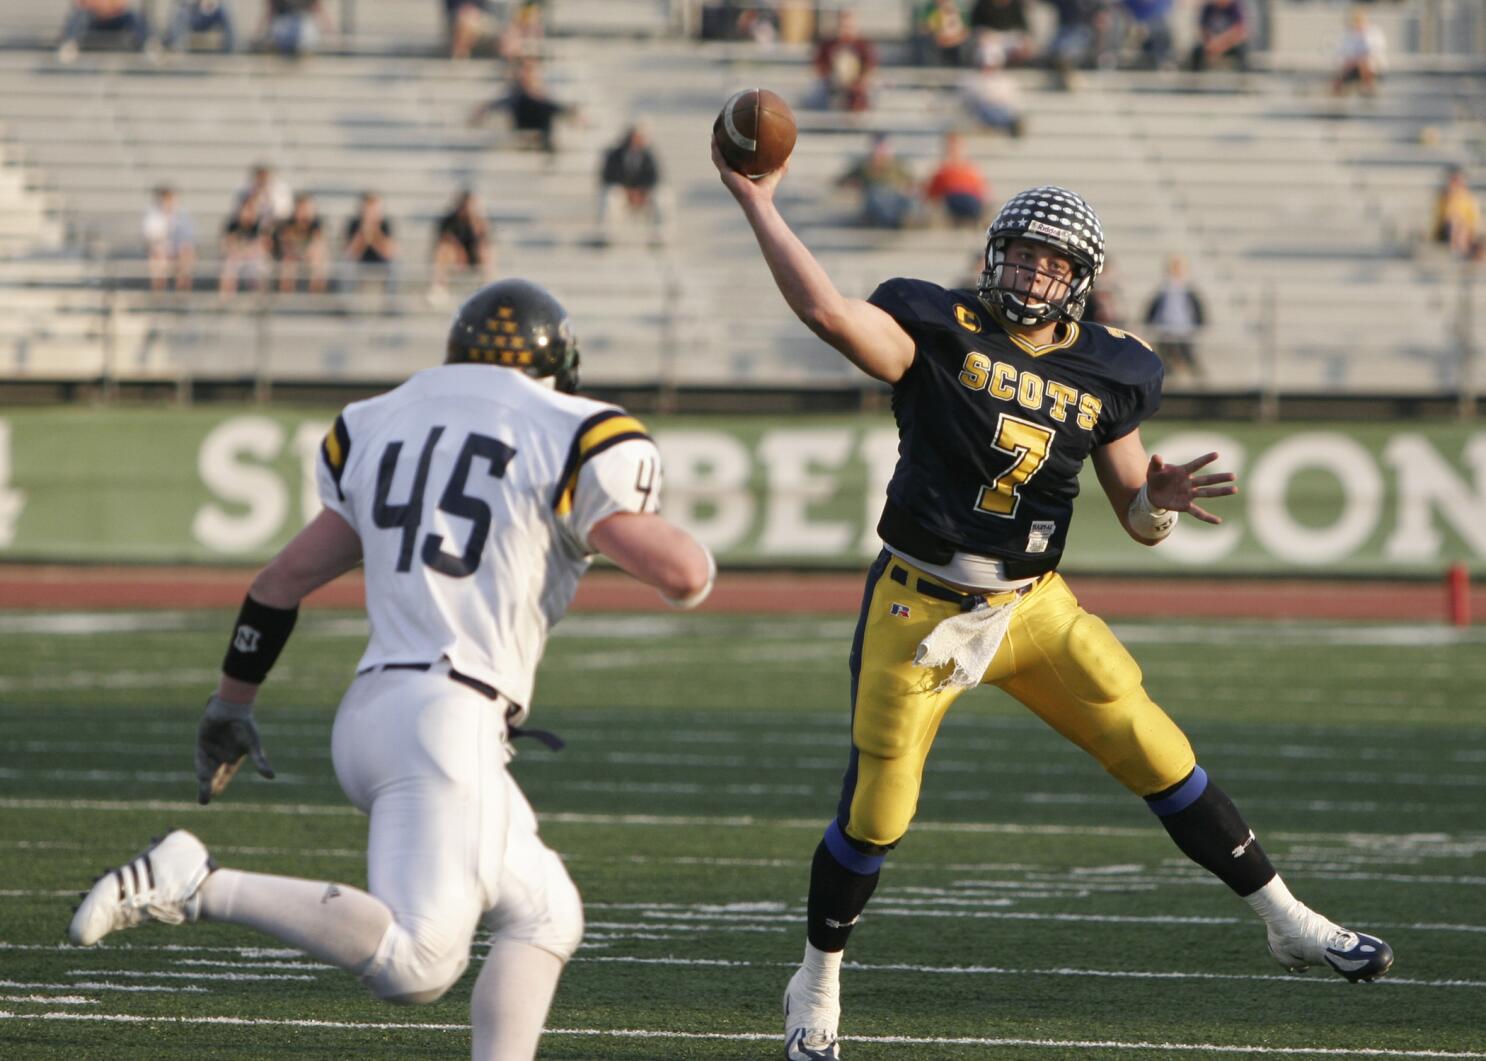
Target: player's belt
[[900, 530], [490, 692], [966, 601]]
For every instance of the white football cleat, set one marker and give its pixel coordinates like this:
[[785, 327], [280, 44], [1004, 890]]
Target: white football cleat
[[162, 883], [1313, 940], [811, 1013]]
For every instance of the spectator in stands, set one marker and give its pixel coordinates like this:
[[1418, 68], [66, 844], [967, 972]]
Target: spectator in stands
[[1003, 24], [1223, 32], [1150, 23], [170, 241], [534, 112], [886, 185], [629, 180], [522, 34], [1457, 218], [369, 248], [1364, 53], [1073, 39], [300, 240], [959, 185], [102, 16], [201, 16], [461, 242], [1175, 315], [941, 35], [293, 27], [270, 194], [844, 63], [1107, 304], [468, 23], [991, 94], [244, 250]]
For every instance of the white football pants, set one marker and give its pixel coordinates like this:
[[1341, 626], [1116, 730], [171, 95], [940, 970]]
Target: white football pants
[[452, 840]]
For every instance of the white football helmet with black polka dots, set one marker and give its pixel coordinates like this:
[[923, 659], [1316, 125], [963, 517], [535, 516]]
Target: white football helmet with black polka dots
[[1059, 219]]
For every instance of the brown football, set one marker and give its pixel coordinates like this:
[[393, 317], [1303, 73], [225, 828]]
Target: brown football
[[755, 131]]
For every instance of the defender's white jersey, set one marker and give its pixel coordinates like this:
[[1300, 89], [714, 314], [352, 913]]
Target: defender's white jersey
[[473, 489]]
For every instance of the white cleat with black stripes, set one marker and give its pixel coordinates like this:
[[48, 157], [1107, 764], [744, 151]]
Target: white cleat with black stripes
[[161, 884], [1313, 940]]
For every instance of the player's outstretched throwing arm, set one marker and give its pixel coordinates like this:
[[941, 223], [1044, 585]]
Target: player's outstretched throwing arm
[[327, 548], [1147, 493], [868, 337]]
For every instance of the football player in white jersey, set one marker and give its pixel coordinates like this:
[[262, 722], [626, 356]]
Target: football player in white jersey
[[474, 495]]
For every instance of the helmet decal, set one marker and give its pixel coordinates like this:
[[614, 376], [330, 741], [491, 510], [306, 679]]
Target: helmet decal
[[516, 324]]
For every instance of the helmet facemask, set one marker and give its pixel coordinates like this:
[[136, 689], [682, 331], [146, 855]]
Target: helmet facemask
[[1063, 222]]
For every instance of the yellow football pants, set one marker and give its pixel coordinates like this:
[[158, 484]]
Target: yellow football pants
[[1060, 661]]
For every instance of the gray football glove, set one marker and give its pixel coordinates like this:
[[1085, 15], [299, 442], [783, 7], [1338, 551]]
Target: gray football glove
[[226, 735]]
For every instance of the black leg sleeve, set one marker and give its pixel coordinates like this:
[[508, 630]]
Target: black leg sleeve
[[1208, 828], [837, 898]]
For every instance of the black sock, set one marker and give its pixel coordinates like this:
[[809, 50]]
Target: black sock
[[1207, 827], [837, 898]]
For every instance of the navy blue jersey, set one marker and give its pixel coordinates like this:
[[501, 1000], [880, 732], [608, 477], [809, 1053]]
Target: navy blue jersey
[[993, 431]]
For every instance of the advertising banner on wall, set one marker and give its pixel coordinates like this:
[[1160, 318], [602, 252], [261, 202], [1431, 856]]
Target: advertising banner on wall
[[232, 484]]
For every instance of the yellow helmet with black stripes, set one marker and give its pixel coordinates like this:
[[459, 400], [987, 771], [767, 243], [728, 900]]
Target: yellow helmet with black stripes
[[516, 324]]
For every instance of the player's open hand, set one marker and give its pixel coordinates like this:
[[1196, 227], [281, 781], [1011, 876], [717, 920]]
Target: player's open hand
[[225, 736], [1177, 487], [746, 190]]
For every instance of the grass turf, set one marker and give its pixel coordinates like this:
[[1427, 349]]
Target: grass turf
[[1034, 911]]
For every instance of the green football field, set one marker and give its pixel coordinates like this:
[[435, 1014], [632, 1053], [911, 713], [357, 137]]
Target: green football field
[[1035, 911]]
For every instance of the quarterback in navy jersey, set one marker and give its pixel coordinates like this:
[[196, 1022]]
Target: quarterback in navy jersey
[[1000, 395]]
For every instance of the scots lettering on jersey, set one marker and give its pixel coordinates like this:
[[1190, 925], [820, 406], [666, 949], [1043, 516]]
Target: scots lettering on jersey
[[1029, 390]]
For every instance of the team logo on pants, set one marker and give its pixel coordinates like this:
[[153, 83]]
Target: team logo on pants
[[900, 610]]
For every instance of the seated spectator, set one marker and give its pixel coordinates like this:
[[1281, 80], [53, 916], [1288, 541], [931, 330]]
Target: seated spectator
[[244, 250], [201, 16], [1072, 44], [1175, 315], [941, 36], [1106, 303], [468, 23], [1364, 53], [1150, 23], [629, 180], [102, 16], [844, 64], [534, 112], [886, 185], [170, 241], [462, 242], [300, 240], [272, 197], [1003, 24], [991, 94], [369, 246], [1223, 32], [293, 27], [958, 184], [1457, 218]]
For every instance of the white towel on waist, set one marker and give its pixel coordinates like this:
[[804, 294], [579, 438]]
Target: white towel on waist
[[969, 639]]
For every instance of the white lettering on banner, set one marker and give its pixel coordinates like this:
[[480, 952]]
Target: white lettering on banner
[[307, 439], [879, 451], [791, 459], [1192, 541], [223, 463], [12, 501], [1362, 497], [706, 485], [1427, 482]]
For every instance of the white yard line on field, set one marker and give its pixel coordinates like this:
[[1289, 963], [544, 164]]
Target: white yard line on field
[[755, 1037], [101, 985]]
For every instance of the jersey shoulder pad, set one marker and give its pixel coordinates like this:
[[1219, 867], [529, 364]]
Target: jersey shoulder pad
[[1128, 358], [915, 302], [601, 430]]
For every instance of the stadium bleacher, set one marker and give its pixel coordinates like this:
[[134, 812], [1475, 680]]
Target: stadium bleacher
[[1304, 216]]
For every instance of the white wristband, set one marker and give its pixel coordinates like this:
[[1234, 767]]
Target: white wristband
[[1148, 521], [688, 603]]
